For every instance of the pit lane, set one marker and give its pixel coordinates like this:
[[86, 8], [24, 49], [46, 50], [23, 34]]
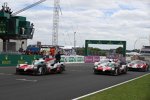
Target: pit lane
[[77, 80]]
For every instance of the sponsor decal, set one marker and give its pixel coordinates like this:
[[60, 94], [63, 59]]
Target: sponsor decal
[[88, 59], [6, 60], [21, 61], [80, 59], [72, 59], [91, 59]]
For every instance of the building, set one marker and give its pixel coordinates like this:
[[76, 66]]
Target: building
[[145, 50]]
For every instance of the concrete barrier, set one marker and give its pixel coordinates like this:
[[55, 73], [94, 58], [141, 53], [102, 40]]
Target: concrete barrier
[[72, 59], [14, 59]]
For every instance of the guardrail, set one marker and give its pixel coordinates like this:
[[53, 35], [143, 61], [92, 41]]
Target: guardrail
[[14, 59]]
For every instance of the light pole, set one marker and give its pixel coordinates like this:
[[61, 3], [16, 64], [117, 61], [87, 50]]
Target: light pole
[[74, 40]]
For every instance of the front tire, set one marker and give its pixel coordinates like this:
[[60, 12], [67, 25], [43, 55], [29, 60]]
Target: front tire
[[125, 70], [147, 69], [17, 72], [116, 72], [59, 70], [40, 71], [63, 67], [95, 71]]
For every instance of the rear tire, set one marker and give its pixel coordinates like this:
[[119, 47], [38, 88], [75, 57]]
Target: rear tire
[[147, 69]]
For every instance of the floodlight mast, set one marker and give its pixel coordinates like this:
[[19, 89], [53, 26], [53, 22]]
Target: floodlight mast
[[56, 11], [55, 22], [28, 7]]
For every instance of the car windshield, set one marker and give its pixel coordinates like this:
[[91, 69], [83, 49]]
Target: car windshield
[[109, 64], [36, 62], [104, 60]]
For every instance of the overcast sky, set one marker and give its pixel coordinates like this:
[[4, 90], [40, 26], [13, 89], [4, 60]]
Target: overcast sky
[[127, 20]]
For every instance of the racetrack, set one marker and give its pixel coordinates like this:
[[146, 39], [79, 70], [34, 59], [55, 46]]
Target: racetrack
[[77, 80]]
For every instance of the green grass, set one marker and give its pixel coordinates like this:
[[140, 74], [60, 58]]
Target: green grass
[[135, 90]]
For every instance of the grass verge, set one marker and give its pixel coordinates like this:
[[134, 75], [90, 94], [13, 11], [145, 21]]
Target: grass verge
[[138, 89]]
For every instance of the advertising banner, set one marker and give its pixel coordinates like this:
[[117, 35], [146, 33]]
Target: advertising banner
[[13, 60], [91, 59], [96, 58], [88, 59], [72, 59]]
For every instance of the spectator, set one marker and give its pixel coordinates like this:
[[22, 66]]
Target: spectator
[[58, 57]]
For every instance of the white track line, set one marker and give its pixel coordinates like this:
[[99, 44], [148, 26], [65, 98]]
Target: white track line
[[5, 74], [6, 67], [109, 87], [26, 80]]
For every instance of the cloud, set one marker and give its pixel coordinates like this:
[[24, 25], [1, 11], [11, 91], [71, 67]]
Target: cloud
[[91, 19]]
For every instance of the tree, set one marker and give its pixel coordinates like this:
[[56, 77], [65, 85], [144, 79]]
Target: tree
[[119, 50]]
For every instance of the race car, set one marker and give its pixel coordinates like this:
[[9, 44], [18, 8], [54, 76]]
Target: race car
[[41, 67], [111, 67], [138, 65]]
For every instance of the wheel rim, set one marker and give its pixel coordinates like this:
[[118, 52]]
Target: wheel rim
[[40, 70], [116, 72]]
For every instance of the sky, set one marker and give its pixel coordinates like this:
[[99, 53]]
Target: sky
[[125, 20]]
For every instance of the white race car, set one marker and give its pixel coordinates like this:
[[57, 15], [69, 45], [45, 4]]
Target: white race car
[[41, 67]]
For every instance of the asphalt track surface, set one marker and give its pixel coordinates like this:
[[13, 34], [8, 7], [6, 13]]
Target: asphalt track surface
[[77, 80]]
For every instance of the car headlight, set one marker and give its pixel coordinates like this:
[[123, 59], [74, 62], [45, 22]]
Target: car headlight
[[96, 66], [113, 68]]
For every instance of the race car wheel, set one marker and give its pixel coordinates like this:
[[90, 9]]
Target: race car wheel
[[59, 70], [17, 72], [146, 69], [63, 67], [95, 71], [116, 72], [125, 70], [40, 71]]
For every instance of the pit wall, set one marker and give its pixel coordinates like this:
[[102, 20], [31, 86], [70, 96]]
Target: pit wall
[[13, 60], [80, 59]]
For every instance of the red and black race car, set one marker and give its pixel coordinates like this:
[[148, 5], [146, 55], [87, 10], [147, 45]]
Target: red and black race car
[[41, 67], [138, 65], [113, 68]]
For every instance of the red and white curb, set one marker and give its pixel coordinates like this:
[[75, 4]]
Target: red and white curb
[[109, 87]]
